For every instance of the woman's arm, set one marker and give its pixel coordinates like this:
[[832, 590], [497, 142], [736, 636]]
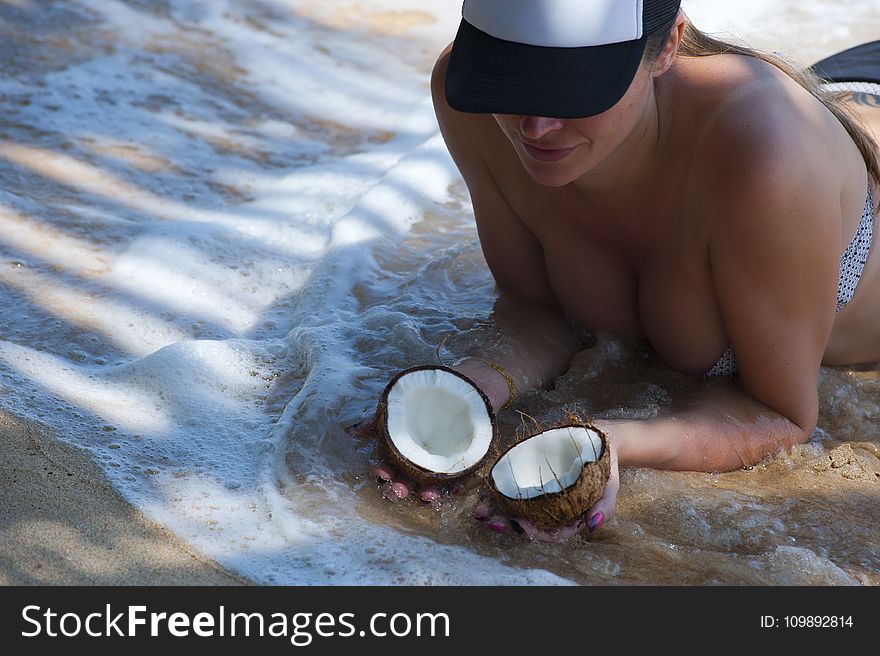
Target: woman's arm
[[538, 341], [774, 235], [538, 345], [722, 430]]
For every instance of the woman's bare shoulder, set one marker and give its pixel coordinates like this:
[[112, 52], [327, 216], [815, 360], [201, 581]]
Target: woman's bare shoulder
[[752, 126], [478, 146], [770, 165], [462, 131], [438, 75]]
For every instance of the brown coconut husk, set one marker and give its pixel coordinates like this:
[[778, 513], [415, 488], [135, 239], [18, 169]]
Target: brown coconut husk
[[558, 509], [389, 451]]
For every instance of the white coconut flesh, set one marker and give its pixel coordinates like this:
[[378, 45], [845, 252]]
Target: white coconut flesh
[[438, 421], [549, 462]]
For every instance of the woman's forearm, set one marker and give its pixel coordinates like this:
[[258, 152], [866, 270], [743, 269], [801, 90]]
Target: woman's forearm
[[537, 346], [720, 429], [719, 432]]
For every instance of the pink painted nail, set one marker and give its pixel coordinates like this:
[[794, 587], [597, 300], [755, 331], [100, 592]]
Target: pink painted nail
[[595, 521], [397, 492], [384, 473], [429, 495], [498, 525]]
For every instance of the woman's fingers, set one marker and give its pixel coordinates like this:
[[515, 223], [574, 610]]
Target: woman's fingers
[[398, 490], [557, 535], [384, 473], [430, 493], [396, 487], [605, 508], [498, 524], [399, 487], [564, 534]]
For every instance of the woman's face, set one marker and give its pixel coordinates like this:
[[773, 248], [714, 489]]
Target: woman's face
[[556, 151]]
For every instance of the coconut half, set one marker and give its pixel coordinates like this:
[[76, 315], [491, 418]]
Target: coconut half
[[435, 424], [552, 477]]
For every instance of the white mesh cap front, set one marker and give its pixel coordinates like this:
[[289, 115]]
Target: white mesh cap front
[[557, 23]]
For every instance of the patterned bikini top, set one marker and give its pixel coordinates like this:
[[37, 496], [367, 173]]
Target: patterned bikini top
[[852, 263]]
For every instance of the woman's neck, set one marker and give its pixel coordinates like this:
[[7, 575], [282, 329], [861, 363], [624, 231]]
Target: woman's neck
[[635, 164]]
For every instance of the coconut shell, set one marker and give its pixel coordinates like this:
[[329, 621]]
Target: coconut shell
[[558, 509], [389, 451]]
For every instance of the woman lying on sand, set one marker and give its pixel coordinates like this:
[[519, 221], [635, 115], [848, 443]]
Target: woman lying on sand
[[633, 175]]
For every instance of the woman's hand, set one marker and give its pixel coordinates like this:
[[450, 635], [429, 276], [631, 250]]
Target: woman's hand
[[496, 388], [397, 487], [602, 511]]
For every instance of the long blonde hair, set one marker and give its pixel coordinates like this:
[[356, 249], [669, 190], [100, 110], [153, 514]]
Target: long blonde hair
[[698, 44]]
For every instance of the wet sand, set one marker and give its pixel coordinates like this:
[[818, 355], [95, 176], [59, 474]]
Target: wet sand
[[61, 522]]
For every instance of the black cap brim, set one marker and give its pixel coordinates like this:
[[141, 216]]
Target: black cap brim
[[493, 76]]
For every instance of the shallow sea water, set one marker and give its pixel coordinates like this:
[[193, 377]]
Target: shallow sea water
[[224, 225]]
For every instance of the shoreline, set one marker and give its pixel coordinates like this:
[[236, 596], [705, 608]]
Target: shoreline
[[63, 523]]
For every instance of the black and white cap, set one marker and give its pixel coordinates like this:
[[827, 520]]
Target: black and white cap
[[557, 58]]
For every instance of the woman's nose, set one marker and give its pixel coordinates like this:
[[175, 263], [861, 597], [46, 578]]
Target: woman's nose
[[535, 127]]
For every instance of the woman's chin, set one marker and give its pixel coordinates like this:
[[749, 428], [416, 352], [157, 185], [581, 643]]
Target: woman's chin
[[546, 177], [552, 174]]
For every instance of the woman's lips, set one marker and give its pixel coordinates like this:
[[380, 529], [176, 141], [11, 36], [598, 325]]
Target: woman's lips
[[546, 154]]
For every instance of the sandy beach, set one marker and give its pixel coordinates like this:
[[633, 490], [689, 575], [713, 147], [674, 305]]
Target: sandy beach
[[224, 225], [62, 523]]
